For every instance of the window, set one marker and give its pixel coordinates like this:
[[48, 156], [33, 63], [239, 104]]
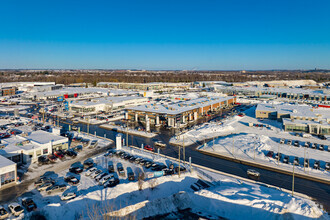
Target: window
[[45, 151], [7, 177]]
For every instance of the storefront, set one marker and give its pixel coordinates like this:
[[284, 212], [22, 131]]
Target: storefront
[[8, 172]]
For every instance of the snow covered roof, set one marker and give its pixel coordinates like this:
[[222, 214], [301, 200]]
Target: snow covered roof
[[106, 100], [43, 137], [293, 110], [179, 107], [4, 162]]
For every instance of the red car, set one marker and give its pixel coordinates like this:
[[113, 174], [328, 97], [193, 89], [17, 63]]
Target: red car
[[59, 154], [148, 147], [52, 157], [4, 135]]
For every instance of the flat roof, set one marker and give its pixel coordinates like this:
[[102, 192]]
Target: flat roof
[[4, 162], [44, 137], [105, 100], [180, 107], [293, 110]]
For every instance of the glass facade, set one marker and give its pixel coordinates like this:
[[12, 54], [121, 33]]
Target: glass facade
[[296, 128]]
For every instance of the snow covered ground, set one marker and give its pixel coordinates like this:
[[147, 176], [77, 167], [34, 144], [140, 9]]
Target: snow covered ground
[[228, 198], [253, 143]]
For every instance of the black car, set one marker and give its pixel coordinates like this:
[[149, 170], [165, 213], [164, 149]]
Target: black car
[[29, 204], [159, 167], [88, 164], [278, 156], [43, 160], [168, 172], [327, 166], [321, 137], [321, 147], [314, 146], [111, 168], [71, 153], [182, 169], [132, 159], [296, 144], [78, 148], [316, 165], [111, 183], [130, 174], [76, 169], [296, 161], [286, 159]]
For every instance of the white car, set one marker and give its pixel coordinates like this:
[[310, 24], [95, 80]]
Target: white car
[[96, 173], [67, 196], [93, 144], [251, 172], [90, 171], [282, 141], [16, 209], [3, 213], [105, 179], [160, 144]]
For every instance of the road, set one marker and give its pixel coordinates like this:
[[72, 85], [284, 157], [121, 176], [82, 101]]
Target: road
[[318, 191]]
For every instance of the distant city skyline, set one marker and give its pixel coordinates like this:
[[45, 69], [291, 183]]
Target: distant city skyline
[[165, 35]]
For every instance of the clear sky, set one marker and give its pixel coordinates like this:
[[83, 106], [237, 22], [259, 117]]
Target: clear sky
[[165, 34]]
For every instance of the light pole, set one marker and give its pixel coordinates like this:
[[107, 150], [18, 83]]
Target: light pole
[[293, 178]]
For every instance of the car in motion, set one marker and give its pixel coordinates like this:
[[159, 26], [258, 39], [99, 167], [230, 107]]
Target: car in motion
[[253, 173]]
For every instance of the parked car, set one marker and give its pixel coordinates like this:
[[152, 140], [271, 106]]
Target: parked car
[[289, 142], [3, 213], [67, 196], [88, 164], [90, 171], [327, 166], [158, 167], [296, 144], [270, 154], [316, 165], [148, 164], [321, 147], [314, 145], [111, 183], [182, 169], [132, 159], [110, 153], [95, 174], [56, 189], [100, 176], [111, 168], [105, 179], [15, 209], [296, 161], [306, 162], [120, 169], [278, 156], [71, 153], [148, 147], [52, 158], [322, 137], [76, 169], [45, 186], [137, 160], [282, 141], [59, 154], [78, 148], [93, 144], [307, 144], [130, 174], [43, 160], [29, 204], [72, 180], [42, 180], [160, 144]]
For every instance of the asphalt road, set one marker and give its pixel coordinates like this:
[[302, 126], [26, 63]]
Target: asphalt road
[[318, 191]]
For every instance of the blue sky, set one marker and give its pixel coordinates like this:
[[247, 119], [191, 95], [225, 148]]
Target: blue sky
[[171, 34]]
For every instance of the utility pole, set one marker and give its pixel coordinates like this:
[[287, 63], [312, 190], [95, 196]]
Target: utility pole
[[184, 151], [304, 157], [127, 133], [233, 147], [293, 179], [179, 159], [88, 126]]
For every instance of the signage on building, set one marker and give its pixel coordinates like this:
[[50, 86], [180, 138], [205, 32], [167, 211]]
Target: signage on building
[[60, 98]]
